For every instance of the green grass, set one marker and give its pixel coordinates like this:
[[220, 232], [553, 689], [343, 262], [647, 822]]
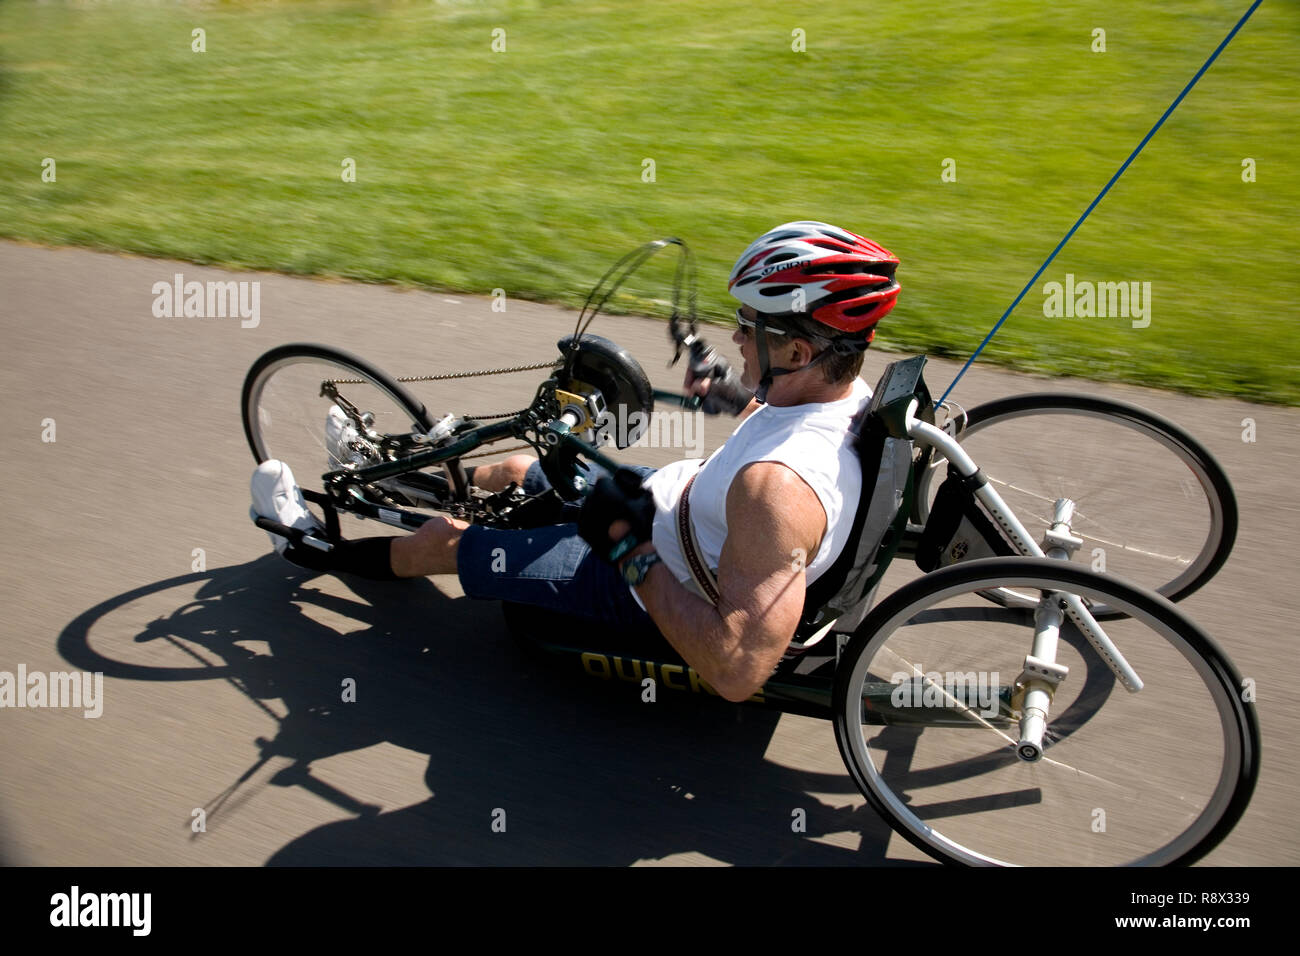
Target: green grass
[[523, 170]]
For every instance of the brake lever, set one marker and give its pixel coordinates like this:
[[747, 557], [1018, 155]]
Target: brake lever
[[680, 339]]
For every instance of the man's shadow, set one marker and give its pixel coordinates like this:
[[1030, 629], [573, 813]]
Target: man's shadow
[[530, 762]]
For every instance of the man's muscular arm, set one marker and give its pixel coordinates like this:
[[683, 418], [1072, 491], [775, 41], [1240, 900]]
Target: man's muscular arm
[[772, 518]]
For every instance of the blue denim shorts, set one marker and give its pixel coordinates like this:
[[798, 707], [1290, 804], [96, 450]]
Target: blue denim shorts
[[553, 568]]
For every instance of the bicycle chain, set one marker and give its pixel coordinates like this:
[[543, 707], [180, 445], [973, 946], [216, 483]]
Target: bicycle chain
[[556, 363], [489, 454]]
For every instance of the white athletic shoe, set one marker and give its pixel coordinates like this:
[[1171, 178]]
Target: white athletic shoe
[[339, 434], [277, 496]]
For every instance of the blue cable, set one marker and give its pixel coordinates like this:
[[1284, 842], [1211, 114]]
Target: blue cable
[[1105, 189]]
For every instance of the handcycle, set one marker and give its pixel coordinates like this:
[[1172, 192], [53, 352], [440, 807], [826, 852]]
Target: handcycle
[[976, 708]]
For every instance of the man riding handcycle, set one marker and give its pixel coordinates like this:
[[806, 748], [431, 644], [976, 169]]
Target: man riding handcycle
[[987, 686], [770, 510]]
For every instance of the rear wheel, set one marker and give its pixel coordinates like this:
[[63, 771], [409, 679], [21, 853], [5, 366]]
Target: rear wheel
[[927, 722], [1152, 504]]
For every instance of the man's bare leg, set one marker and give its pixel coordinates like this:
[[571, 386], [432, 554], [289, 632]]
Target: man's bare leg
[[432, 549], [497, 477]]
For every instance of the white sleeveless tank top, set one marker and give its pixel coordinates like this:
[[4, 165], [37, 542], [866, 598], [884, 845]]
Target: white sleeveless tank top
[[812, 440]]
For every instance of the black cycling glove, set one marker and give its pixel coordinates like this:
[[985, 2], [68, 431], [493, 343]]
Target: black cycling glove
[[725, 394], [612, 499]]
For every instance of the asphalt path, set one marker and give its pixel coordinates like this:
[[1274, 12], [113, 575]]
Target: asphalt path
[[129, 551]]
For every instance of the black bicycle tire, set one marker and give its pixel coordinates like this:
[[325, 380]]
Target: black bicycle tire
[[310, 350], [1192, 451], [1047, 571]]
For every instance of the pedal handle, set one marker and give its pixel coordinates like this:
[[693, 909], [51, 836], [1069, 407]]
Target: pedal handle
[[295, 535]]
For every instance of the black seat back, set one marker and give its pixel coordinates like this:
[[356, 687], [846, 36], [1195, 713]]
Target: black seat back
[[842, 595]]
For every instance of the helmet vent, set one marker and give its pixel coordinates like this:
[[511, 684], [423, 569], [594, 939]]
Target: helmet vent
[[884, 271], [775, 290], [843, 237]]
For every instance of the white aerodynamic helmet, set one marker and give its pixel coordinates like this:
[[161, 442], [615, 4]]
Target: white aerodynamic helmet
[[812, 270]]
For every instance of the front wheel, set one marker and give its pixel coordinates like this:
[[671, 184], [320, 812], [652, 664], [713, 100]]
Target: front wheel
[[320, 409], [926, 719], [1152, 504]]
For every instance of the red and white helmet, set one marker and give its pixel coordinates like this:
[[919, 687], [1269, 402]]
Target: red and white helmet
[[820, 272]]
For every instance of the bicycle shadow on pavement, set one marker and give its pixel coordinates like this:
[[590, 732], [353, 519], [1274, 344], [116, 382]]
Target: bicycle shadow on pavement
[[529, 763]]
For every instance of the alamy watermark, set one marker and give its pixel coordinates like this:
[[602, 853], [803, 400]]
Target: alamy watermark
[[208, 300], [75, 908], [974, 690], [53, 689], [1085, 299], [675, 429]]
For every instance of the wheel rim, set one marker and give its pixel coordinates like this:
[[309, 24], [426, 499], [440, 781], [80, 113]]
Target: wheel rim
[[1148, 508], [286, 414], [1164, 767]]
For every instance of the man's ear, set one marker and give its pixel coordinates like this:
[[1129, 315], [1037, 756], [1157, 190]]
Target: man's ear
[[803, 351]]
